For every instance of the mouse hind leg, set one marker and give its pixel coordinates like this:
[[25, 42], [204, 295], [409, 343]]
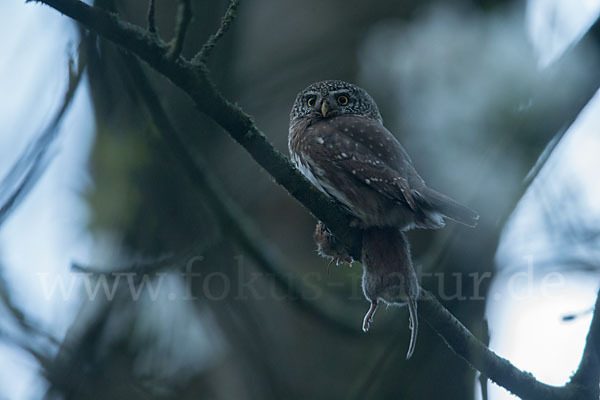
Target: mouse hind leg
[[369, 315]]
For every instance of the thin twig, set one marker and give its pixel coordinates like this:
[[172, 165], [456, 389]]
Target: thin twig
[[184, 17], [572, 316], [226, 22], [24, 322], [149, 266], [151, 17], [485, 339], [146, 266], [32, 162]]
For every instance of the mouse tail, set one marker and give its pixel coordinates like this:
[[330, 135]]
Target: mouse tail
[[413, 325]]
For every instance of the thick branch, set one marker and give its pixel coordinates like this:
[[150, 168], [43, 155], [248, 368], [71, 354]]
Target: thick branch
[[587, 376], [467, 346]]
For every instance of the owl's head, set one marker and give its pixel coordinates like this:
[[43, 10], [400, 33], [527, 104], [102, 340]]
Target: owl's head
[[327, 99]]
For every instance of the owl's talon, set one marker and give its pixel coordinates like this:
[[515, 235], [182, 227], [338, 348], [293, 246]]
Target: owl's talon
[[348, 260]]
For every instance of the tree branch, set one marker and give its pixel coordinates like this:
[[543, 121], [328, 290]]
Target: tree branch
[[583, 385], [481, 358], [32, 163], [587, 376], [184, 17], [226, 22], [139, 266], [151, 17], [485, 339]]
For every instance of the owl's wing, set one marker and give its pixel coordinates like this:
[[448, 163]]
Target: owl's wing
[[371, 171], [367, 151]]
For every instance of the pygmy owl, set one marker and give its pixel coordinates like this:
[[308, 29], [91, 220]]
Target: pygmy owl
[[338, 141]]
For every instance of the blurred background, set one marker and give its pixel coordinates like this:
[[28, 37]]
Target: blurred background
[[120, 279]]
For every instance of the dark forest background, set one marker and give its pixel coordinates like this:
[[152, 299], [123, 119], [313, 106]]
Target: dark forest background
[[458, 82]]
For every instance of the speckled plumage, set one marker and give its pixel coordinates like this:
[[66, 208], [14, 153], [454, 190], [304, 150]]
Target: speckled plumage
[[349, 155]]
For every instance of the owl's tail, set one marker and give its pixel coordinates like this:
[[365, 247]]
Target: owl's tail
[[449, 208]]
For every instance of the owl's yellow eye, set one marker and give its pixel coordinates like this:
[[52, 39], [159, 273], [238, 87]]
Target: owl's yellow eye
[[343, 100], [311, 101]]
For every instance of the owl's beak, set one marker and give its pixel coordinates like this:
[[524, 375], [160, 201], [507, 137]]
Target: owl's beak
[[324, 108]]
